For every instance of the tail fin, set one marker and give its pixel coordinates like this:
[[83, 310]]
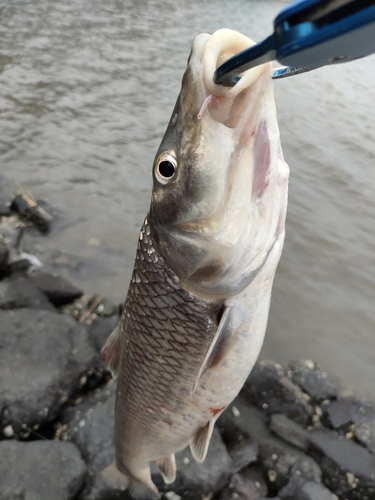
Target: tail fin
[[139, 490]]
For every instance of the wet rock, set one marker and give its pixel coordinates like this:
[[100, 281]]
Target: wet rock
[[90, 425], [4, 253], [339, 413], [58, 290], [42, 470], [289, 431], [300, 489], [8, 190], [270, 389], [279, 461], [100, 330], [206, 477], [363, 418], [249, 484], [26, 206], [19, 293], [348, 469], [42, 357], [313, 380]]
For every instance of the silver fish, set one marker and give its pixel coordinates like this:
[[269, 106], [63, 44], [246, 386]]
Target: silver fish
[[198, 301]]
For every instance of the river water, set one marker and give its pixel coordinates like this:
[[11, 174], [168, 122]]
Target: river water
[[86, 91]]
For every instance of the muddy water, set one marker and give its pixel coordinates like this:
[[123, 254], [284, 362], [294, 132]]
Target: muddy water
[[86, 90]]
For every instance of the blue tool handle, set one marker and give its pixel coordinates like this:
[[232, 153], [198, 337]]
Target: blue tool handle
[[314, 45], [310, 34]]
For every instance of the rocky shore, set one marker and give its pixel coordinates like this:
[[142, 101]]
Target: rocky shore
[[289, 434]]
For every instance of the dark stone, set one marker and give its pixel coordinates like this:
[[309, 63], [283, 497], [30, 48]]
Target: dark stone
[[4, 253], [206, 477], [270, 389], [58, 290], [289, 431], [8, 189], [100, 330], [17, 266], [278, 460], [28, 209], [42, 357], [19, 293], [242, 449], [300, 489], [339, 412], [249, 484], [40, 470], [313, 380], [90, 425], [348, 469]]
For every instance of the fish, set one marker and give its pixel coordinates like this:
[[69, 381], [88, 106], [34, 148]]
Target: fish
[[197, 306]]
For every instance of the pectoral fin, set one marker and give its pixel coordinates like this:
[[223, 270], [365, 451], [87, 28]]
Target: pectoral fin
[[200, 441], [221, 344], [167, 467], [111, 349]]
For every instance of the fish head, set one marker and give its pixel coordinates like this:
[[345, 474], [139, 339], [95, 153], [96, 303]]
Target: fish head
[[219, 179]]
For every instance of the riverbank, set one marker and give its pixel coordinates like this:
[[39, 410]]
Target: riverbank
[[289, 434]]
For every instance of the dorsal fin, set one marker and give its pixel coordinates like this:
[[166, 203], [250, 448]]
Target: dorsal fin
[[167, 467], [200, 441], [111, 349], [221, 344]]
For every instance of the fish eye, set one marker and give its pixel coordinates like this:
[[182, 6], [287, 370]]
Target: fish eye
[[165, 167]]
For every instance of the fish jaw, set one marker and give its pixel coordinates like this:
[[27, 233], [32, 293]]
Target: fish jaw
[[216, 220]]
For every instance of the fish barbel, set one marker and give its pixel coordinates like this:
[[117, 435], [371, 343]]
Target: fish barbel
[[198, 302]]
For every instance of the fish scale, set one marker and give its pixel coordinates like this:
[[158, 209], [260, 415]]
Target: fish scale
[[183, 339]]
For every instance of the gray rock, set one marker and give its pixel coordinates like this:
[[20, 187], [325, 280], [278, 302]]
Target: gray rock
[[313, 380], [40, 470], [348, 469], [363, 417], [300, 489], [42, 357], [18, 293], [289, 431], [90, 425], [279, 460], [8, 190], [249, 484], [339, 413], [58, 289], [206, 477], [270, 389]]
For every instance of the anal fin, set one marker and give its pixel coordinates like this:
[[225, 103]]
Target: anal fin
[[200, 441], [111, 349], [167, 467]]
